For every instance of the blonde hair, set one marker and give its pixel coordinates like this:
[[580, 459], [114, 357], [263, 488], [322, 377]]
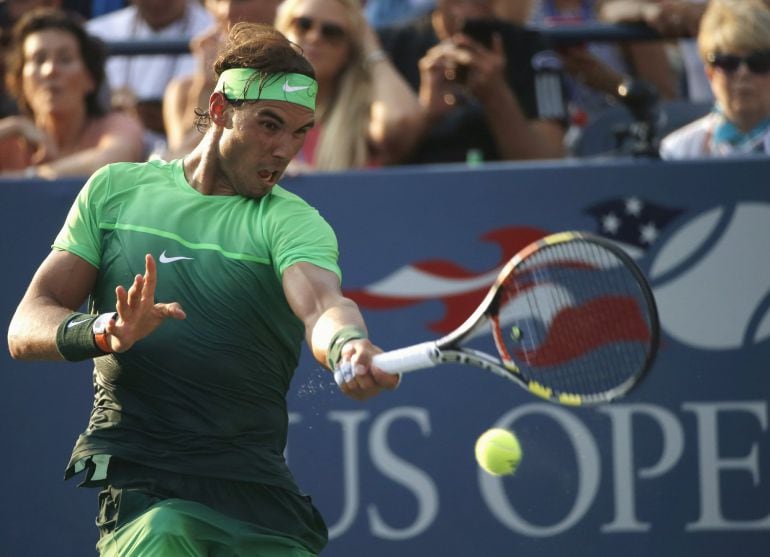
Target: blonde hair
[[343, 140], [731, 25]]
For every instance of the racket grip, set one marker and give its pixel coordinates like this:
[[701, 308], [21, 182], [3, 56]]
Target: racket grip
[[411, 358]]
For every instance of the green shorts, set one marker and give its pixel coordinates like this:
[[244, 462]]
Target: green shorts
[[149, 512], [188, 529]]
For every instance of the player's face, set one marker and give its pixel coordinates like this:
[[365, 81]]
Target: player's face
[[54, 75], [256, 148]]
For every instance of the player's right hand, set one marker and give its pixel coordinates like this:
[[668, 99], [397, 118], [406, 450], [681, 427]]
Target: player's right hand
[[138, 313]]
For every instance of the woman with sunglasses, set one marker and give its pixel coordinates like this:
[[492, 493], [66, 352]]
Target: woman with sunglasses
[[734, 43], [365, 110]]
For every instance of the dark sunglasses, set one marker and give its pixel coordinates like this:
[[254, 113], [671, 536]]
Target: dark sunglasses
[[757, 62], [329, 31]]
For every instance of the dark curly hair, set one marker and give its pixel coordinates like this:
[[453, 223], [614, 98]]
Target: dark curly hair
[[92, 51], [260, 47]]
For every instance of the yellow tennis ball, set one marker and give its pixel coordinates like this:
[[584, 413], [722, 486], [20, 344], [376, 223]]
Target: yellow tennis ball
[[498, 452]]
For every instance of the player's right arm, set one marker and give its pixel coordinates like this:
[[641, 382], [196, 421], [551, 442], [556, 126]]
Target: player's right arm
[[60, 286], [315, 297]]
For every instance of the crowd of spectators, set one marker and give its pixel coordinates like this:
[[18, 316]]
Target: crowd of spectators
[[400, 81]]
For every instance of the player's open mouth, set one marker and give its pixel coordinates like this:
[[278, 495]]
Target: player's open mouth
[[268, 175]]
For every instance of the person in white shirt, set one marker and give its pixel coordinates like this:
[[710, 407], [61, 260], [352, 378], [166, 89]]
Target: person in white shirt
[[734, 43], [138, 82]]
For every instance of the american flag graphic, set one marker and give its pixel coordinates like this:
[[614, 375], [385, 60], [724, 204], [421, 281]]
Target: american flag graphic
[[632, 221]]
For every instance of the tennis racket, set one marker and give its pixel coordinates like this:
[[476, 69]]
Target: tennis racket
[[570, 318]]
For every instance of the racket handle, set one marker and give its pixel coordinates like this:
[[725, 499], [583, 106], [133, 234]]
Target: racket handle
[[411, 358]]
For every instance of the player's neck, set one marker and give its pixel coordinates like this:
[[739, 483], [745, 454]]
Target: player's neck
[[200, 166]]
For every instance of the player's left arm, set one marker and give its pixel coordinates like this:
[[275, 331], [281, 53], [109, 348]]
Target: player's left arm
[[315, 296]]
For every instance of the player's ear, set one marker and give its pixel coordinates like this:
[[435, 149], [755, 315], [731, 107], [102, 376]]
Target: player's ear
[[220, 111]]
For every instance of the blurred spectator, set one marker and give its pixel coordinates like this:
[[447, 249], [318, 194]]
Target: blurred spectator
[[138, 82], [380, 13], [597, 69], [364, 108], [10, 12], [55, 72], [672, 19], [734, 43], [101, 7], [516, 12], [92, 8], [495, 95], [189, 92]]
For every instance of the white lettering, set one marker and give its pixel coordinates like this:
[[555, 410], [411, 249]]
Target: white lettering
[[349, 422], [403, 473], [623, 459], [710, 465]]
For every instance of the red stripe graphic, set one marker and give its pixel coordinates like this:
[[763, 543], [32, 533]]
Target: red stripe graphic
[[457, 306], [575, 331]]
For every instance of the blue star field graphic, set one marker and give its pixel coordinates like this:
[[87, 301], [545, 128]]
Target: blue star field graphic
[[632, 220]]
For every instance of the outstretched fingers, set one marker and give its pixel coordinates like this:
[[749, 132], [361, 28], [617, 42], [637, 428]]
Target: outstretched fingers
[[150, 277], [138, 314], [173, 310], [135, 293]]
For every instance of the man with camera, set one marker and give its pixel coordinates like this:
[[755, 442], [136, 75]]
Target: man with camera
[[490, 89]]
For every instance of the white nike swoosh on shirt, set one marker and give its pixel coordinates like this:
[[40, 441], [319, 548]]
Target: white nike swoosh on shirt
[[73, 323], [294, 88], [164, 259]]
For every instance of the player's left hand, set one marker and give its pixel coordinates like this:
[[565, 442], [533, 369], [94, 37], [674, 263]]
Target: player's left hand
[[357, 377]]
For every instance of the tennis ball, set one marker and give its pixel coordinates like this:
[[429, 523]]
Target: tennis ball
[[498, 452]]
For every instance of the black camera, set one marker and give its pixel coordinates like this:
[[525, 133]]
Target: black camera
[[483, 29]]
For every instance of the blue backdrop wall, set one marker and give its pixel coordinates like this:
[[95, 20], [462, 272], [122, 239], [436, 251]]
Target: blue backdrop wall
[[679, 467]]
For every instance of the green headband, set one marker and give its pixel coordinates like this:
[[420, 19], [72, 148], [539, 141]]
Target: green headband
[[241, 84]]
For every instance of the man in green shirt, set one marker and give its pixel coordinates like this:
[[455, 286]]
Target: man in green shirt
[[225, 272]]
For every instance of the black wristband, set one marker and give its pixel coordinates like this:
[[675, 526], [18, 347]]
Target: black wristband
[[343, 335], [75, 338]]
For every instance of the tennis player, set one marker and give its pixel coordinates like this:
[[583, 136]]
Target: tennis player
[[224, 272]]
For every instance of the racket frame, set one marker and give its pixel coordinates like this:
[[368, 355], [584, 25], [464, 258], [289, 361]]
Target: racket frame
[[448, 349]]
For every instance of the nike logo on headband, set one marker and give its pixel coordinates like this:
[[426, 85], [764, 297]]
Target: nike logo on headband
[[294, 88]]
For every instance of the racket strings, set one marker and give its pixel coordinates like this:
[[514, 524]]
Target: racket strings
[[578, 322]]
